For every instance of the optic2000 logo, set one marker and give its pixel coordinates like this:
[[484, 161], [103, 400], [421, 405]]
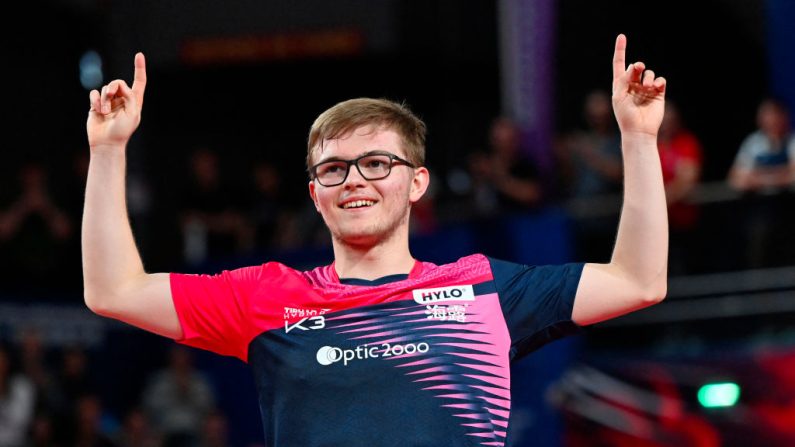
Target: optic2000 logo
[[330, 354]]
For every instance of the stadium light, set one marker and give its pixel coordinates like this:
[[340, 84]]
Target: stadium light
[[719, 395]]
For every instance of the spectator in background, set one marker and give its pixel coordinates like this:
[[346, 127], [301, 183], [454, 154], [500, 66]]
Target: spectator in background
[[591, 168], [766, 159], [88, 424], [34, 231], [212, 224], [34, 365], [681, 159], [591, 158], [214, 431], [137, 431], [42, 432], [271, 210], [17, 399], [504, 179], [178, 399], [74, 373], [75, 386], [765, 169]]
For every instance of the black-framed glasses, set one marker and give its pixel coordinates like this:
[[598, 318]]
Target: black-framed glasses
[[371, 166]]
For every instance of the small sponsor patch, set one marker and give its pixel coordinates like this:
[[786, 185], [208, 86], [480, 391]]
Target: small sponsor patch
[[452, 293]]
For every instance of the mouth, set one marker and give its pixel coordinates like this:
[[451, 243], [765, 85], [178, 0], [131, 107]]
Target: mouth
[[354, 204]]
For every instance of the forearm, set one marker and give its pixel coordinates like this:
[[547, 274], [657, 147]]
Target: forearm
[[779, 176], [111, 262], [641, 250], [761, 178]]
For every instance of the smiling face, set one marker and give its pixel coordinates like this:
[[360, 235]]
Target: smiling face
[[366, 212]]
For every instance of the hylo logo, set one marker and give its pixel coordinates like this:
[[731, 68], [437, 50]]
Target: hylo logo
[[453, 293]]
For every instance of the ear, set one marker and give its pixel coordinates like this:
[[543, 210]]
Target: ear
[[313, 194], [419, 184]]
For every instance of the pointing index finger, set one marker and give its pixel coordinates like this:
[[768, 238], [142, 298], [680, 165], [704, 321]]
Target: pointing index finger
[[619, 56], [139, 80]]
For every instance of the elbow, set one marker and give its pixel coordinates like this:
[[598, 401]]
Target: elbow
[[98, 302], [93, 302], [654, 294]]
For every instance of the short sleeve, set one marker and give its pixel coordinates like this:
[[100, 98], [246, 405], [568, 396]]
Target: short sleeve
[[537, 302], [213, 309], [746, 156]]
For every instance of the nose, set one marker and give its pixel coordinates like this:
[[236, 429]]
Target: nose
[[354, 179]]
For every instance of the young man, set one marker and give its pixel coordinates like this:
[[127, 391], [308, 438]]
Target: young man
[[377, 348]]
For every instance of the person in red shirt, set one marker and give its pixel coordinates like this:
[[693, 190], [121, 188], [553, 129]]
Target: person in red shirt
[[681, 159]]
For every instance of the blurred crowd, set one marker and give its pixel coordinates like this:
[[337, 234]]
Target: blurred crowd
[[51, 397], [214, 212]]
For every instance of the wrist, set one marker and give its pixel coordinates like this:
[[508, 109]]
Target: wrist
[[110, 149], [638, 139]]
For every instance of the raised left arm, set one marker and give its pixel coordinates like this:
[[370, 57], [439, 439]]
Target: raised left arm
[[636, 276]]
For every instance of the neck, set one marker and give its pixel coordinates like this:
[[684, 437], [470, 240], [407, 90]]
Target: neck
[[372, 261]]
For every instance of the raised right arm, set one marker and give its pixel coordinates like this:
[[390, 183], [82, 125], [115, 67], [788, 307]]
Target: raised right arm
[[115, 282]]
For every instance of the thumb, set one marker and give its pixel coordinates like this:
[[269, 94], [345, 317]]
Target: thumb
[[621, 83], [128, 96]]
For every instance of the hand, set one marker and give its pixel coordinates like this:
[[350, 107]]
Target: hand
[[116, 111], [638, 97]]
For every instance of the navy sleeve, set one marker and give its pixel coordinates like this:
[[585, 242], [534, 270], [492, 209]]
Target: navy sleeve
[[537, 302]]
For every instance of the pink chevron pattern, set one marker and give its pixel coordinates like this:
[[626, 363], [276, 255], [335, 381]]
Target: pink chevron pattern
[[466, 368]]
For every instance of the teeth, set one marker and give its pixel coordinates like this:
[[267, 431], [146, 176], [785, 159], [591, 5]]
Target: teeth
[[358, 204]]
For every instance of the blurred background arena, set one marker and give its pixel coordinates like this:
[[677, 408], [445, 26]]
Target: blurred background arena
[[508, 88]]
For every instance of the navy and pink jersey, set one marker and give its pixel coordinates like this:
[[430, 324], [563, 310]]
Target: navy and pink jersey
[[410, 360]]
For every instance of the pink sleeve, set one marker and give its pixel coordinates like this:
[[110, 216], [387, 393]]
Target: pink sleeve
[[213, 310]]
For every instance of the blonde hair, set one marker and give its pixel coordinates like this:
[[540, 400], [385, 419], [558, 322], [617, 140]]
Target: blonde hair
[[346, 116]]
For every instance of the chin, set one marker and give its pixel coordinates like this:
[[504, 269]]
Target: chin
[[358, 238], [361, 234], [356, 235]]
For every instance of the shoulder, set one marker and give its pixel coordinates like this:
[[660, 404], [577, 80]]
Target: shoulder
[[247, 278], [254, 273], [485, 267], [475, 266], [755, 142], [476, 260]]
